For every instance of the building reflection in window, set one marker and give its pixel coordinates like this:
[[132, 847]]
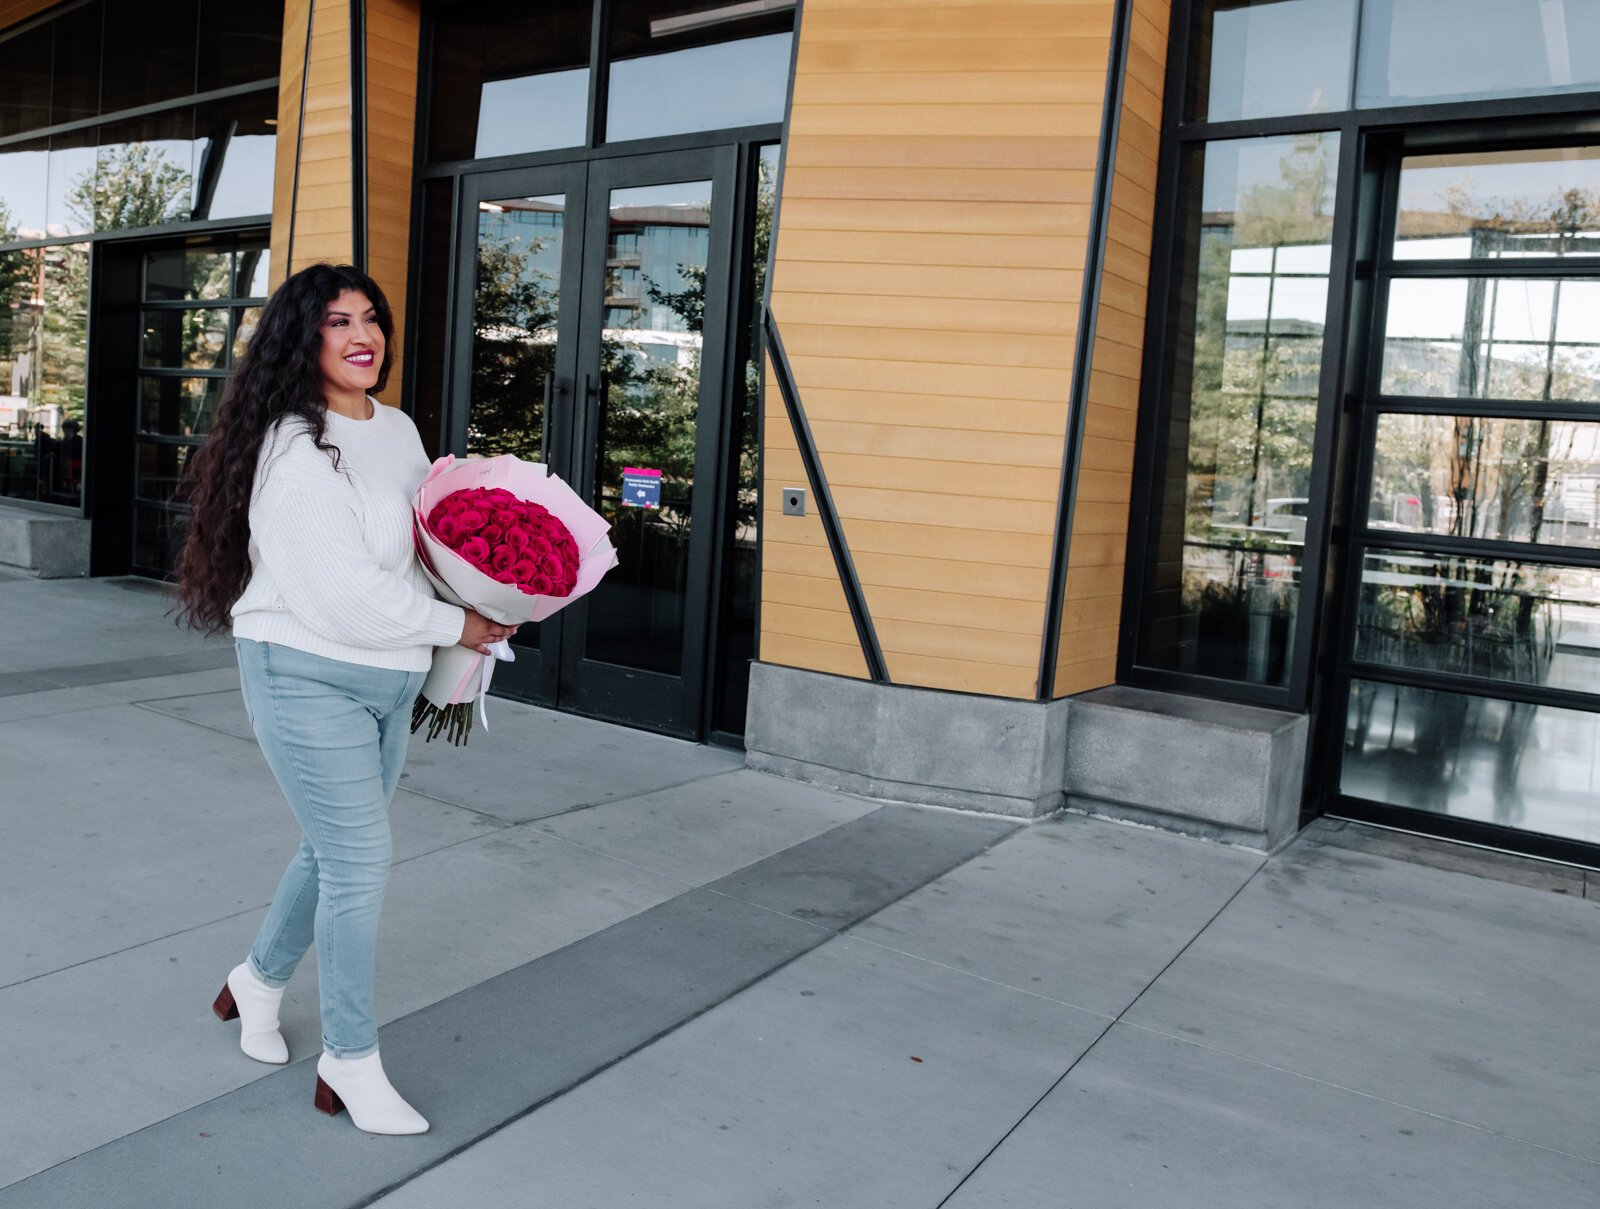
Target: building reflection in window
[[1499, 479], [1526, 339], [1241, 390], [657, 252], [1499, 204], [44, 300]]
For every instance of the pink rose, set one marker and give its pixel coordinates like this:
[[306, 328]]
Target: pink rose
[[506, 517], [476, 551], [540, 585], [540, 545], [524, 569], [550, 565], [502, 558], [506, 577], [517, 537], [447, 530], [472, 519], [493, 534]]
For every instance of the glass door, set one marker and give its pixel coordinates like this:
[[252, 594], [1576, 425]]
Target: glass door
[[519, 265], [1470, 681], [649, 416], [594, 339]]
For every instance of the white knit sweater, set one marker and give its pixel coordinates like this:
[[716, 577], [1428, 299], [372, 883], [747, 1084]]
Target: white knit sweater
[[332, 567]]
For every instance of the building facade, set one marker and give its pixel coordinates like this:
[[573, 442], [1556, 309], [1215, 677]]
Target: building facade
[[1188, 410]]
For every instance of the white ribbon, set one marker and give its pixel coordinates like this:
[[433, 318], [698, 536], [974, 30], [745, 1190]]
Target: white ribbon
[[502, 651]]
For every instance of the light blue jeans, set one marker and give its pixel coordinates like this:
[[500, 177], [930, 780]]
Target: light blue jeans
[[334, 734]]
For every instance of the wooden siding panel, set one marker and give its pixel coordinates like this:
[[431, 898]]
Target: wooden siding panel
[[938, 186], [1091, 616], [12, 12]]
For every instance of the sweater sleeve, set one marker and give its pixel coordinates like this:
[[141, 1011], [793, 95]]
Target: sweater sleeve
[[309, 537]]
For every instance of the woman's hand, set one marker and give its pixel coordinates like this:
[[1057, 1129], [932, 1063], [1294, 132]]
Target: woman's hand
[[479, 632]]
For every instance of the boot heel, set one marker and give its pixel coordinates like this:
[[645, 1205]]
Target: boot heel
[[326, 1099], [225, 1007]]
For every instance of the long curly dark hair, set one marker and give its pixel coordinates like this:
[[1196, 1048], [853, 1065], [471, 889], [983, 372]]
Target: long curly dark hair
[[277, 376]]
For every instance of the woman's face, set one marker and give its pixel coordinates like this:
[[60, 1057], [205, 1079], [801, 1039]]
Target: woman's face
[[352, 345]]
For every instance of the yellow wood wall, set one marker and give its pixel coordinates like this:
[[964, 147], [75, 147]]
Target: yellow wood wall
[[393, 30], [321, 201], [937, 188], [13, 11], [1086, 656]]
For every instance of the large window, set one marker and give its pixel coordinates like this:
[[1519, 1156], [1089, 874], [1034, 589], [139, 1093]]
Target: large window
[[44, 304], [159, 115], [1266, 319], [649, 60], [200, 306], [1243, 364], [1269, 58]]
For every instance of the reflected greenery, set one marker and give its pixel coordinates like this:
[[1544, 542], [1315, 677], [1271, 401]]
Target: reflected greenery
[[515, 304], [44, 301], [1244, 377]]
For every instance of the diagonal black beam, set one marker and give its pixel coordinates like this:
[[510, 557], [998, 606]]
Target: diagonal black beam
[[1083, 355], [826, 512], [358, 133]]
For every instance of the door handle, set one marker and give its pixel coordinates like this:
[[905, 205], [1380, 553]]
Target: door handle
[[544, 421], [591, 433]]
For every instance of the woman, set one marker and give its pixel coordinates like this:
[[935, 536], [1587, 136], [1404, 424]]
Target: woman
[[301, 538]]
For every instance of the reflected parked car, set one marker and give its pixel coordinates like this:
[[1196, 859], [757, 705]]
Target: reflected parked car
[[1286, 515]]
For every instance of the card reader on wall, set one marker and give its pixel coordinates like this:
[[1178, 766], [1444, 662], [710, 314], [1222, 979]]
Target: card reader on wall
[[794, 501]]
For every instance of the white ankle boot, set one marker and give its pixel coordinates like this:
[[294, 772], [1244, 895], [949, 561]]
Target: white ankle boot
[[360, 1085], [255, 1004]]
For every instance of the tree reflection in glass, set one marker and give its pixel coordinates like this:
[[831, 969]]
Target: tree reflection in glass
[[1499, 204], [44, 303], [515, 305], [1243, 381], [1494, 478], [652, 333]]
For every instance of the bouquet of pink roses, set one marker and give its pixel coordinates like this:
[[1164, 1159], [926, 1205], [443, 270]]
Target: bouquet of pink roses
[[514, 542], [510, 540]]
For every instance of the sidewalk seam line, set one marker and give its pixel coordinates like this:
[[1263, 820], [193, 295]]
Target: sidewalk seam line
[[643, 793], [1356, 1091], [155, 940], [1089, 1049], [829, 934]]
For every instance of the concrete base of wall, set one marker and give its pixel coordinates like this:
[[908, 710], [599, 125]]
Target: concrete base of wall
[[1207, 768], [1223, 772], [37, 543], [992, 754]]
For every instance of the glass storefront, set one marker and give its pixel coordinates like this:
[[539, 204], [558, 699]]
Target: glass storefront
[[1374, 461], [605, 317], [104, 170]]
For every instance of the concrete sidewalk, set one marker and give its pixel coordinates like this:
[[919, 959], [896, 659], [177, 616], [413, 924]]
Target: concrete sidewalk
[[617, 970]]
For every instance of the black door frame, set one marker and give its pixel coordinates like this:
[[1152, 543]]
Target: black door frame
[[116, 306], [556, 672], [533, 677], [672, 704], [1377, 200]]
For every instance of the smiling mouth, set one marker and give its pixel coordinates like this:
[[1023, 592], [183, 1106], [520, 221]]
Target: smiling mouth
[[359, 359]]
